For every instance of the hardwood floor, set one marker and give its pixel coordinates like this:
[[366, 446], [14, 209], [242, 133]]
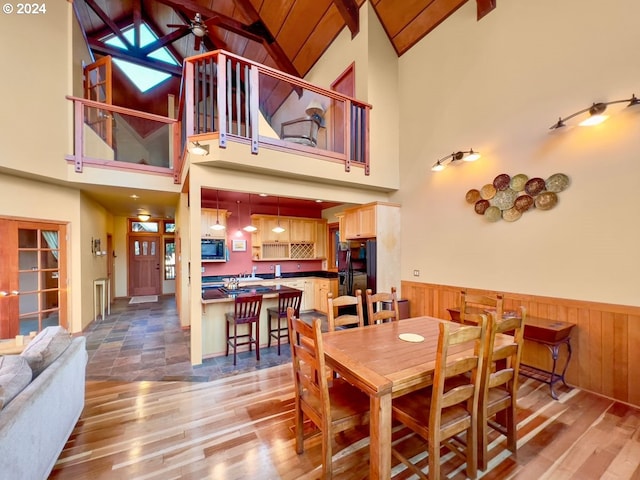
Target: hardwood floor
[[240, 427]]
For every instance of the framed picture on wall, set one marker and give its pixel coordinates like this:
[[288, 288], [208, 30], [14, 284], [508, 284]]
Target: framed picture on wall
[[239, 245]]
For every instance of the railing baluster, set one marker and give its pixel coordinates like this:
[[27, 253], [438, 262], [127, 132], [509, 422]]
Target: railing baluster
[[221, 94], [238, 96], [229, 92], [212, 80], [247, 119]]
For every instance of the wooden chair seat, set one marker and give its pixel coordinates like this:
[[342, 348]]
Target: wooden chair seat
[[332, 405], [448, 408]]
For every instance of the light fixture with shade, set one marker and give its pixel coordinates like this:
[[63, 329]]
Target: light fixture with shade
[[217, 226], [143, 217], [278, 228], [250, 228], [198, 149], [596, 113], [315, 110], [464, 155]]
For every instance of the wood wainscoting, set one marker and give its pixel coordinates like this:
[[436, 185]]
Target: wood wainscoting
[[605, 340]]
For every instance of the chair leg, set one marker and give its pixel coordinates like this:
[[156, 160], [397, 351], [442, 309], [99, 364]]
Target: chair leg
[[483, 442], [299, 429], [327, 456], [257, 341], [270, 331], [227, 329], [279, 339], [434, 460], [472, 451], [235, 342], [512, 434]]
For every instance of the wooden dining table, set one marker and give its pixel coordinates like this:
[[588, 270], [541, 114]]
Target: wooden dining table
[[376, 360]]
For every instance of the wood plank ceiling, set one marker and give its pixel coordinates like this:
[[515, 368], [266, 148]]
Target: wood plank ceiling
[[289, 35]]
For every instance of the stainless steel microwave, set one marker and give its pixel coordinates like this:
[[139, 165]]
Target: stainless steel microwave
[[213, 249]]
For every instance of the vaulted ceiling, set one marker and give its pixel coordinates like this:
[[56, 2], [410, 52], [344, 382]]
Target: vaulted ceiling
[[289, 35]]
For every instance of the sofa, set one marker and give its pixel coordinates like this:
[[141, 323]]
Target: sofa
[[36, 423]]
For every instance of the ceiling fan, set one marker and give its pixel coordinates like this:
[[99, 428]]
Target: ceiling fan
[[197, 26]]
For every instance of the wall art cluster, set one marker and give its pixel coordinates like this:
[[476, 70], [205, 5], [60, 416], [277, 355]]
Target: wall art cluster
[[507, 198]]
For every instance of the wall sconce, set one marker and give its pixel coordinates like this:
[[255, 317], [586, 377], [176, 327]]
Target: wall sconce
[[596, 113], [467, 156], [315, 110], [199, 149], [95, 247]]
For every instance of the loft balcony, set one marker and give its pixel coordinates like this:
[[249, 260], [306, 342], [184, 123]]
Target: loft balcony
[[245, 116]]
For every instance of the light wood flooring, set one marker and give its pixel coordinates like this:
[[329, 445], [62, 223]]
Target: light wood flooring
[[240, 427]]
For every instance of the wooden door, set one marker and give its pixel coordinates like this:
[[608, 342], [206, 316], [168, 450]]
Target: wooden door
[[98, 87], [344, 84], [33, 276], [144, 265]]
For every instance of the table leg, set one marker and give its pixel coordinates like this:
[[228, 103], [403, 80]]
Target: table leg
[[555, 352], [380, 437]]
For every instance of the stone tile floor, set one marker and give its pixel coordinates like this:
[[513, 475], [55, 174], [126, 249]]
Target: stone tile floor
[[145, 342]]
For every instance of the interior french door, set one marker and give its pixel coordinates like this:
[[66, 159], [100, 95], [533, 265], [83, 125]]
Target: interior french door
[[33, 276], [98, 87], [144, 265]]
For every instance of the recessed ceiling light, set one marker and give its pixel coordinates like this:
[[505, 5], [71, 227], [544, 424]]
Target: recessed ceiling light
[[134, 196], [318, 201], [263, 195]]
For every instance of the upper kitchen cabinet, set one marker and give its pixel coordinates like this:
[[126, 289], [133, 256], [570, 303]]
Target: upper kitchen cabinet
[[360, 222], [303, 238], [208, 218]]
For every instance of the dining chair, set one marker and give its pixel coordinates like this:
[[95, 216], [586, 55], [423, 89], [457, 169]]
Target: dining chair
[[278, 326], [440, 413], [246, 311], [375, 312], [499, 384], [332, 405], [475, 303], [337, 320]]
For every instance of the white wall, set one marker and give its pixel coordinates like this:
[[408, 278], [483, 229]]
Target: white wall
[[497, 85]]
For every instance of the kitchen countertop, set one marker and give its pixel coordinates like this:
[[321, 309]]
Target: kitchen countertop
[[220, 295], [209, 279]]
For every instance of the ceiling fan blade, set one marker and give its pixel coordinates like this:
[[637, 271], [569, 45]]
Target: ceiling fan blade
[[174, 25], [196, 43]]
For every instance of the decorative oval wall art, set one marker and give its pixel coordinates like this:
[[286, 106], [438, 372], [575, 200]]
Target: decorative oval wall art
[[509, 197]]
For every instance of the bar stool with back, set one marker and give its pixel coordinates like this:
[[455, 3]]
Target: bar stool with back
[[246, 312], [277, 328]]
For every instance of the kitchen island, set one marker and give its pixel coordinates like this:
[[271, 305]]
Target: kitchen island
[[216, 301]]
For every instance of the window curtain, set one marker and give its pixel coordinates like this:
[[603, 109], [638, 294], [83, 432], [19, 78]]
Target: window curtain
[[52, 241]]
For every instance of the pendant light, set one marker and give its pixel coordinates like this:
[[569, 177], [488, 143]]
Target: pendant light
[[250, 228], [239, 230], [278, 228], [218, 226]]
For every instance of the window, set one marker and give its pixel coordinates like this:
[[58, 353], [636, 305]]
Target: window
[[148, 227], [169, 259], [144, 78], [169, 227]]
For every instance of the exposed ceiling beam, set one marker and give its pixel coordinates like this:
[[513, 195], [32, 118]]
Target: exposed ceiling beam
[[104, 49], [137, 20], [485, 6], [109, 23], [273, 48], [349, 11]]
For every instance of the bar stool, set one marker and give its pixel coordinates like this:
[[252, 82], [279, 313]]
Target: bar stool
[[277, 328], [246, 312]]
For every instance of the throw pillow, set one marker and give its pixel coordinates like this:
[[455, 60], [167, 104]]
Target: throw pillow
[[15, 374], [45, 348]]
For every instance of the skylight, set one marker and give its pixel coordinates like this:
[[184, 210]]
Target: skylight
[[144, 78]]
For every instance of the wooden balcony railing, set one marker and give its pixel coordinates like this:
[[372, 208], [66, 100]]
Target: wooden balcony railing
[[237, 99], [118, 137]]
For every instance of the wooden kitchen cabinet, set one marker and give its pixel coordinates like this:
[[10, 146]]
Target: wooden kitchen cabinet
[[208, 217], [322, 287], [267, 235], [303, 230], [360, 222]]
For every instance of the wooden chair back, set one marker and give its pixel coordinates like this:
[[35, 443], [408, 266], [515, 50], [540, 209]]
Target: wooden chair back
[[499, 385], [375, 312], [474, 304], [333, 405], [289, 299], [335, 319], [247, 308]]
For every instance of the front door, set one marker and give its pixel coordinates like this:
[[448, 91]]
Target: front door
[[33, 276], [144, 265]]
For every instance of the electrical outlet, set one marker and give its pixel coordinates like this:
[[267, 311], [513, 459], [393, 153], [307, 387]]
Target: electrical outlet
[[271, 267], [202, 269], [298, 266], [416, 273]]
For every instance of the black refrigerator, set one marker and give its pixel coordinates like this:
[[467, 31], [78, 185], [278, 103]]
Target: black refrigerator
[[357, 266]]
